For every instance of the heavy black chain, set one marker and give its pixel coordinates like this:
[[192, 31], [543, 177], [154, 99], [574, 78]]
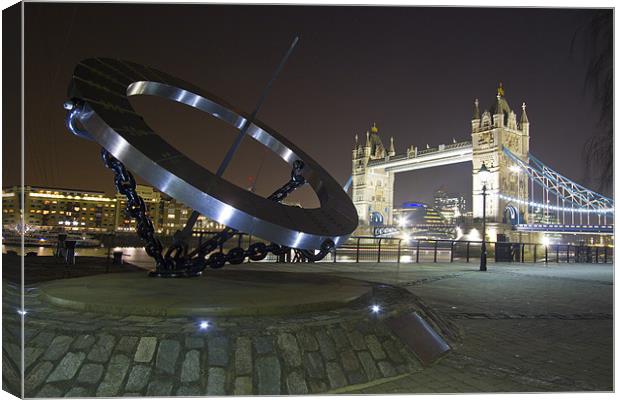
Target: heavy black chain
[[136, 208], [177, 261]]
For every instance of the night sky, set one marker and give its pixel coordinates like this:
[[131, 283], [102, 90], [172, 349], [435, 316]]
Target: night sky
[[413, 71]]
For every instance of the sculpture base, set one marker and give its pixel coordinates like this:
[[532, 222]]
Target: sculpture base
[[216, 293]]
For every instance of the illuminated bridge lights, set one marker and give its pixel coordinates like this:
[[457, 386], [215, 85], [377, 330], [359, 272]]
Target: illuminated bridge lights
[[601, 229], [555, 208]]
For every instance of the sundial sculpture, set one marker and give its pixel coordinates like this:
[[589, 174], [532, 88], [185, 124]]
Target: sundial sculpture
[[99, 91]]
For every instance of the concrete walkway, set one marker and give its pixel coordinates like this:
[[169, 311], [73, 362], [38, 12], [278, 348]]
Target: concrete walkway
[[519, 328]]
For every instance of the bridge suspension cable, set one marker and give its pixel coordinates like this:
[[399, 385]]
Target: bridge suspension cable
[[580, 198]]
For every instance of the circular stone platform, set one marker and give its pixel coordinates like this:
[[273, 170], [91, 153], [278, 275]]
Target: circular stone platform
[[219, 293]]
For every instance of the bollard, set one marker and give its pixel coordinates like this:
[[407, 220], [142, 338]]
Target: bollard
[[605, 255], [435, 251], [557, 253], [417, 252], [398, 255], [379, 252], [535, 246], [468, 251], [567, 253], [452, 251], [546, 254], [357, 251], [523, 253], [118, 258]]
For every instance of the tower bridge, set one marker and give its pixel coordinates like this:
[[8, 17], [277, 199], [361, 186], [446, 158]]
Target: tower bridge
[[517, 179]]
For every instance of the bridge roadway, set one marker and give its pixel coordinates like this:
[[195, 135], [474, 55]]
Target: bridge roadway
[[561, 228], [434, 157]]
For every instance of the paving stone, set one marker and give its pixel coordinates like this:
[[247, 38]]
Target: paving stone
[[375, 347], [393, 352], [79, 391], [146, 349], [43, 339], [387, 369], [263, 345], [317, 386], [340, 338], [67, 367], [31, 354], [296, 384], [313, 364], [190, 370], [138, 377], [243, 356], [159, 387], [194, 342], [243, 386], [188, 390], [90, 373], [307, 341], [14, 351], [127, 344], [117, 369], [167, 355], [372, 372], [335, 375], [326, 345], [49, 391], [356, 377], [357, 340], [83, 342], [216, 382], [289, 349], [218, 351], [268, 373], [58, 348], [402, 369], [36, 376], [102, 350], [349, 360]]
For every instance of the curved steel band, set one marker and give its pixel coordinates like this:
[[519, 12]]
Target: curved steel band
[[104, 86]]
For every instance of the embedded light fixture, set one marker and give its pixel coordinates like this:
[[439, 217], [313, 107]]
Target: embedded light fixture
[[204, 325], [375, 309]]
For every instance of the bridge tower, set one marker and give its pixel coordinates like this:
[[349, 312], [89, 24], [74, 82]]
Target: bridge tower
[[372, 188], [491, 132]]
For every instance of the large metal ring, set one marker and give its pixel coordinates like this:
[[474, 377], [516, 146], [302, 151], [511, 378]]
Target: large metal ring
[[104, 85]]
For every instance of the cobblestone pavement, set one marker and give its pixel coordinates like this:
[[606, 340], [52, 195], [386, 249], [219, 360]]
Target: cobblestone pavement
[[82, 354], [522, 328], [517, 328]]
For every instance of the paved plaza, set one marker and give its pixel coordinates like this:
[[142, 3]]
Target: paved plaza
[[515, 328]]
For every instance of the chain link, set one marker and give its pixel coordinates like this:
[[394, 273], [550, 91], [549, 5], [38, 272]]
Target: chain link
[[177, 261]]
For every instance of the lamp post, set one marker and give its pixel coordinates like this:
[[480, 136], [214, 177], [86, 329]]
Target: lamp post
[[484, 174]]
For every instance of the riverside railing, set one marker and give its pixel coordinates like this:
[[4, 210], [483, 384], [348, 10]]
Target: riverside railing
[[358, 249]]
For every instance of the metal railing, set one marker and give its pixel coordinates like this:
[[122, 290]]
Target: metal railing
[[373, 249], [363, 249]]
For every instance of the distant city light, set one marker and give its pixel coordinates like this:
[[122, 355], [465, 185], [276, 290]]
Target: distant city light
[[474, 235], [22, 312], [514, 168]]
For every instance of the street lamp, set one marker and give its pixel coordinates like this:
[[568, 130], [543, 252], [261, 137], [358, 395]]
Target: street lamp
[[484, 175]]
